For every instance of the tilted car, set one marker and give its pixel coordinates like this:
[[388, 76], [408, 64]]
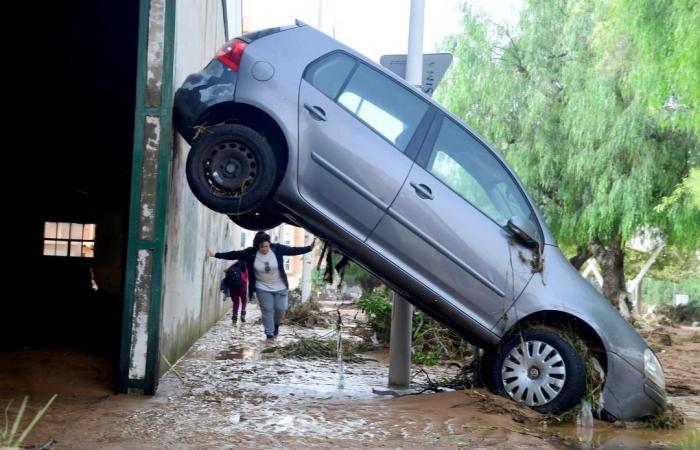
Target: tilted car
[[287, 124]]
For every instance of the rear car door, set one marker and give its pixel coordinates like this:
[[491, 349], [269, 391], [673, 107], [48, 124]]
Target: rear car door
[[359, 131], [447, 226]]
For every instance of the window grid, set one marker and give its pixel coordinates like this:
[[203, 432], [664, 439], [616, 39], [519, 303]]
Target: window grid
[[70, 239]]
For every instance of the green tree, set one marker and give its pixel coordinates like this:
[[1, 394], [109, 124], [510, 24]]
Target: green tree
[[355, 274], [674, 264], [598, 127], [662, 291]]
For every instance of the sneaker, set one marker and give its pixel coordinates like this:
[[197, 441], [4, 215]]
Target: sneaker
[[277, 329], [243, 316], [234, 319], [269, 336]]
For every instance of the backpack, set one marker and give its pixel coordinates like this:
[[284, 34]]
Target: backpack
[[234, 277], [223, 288]]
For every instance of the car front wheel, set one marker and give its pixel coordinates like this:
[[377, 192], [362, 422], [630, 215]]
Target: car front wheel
[[541, 369], [231, 169]]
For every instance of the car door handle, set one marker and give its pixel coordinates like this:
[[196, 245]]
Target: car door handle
[[422, 191], [316, 112]]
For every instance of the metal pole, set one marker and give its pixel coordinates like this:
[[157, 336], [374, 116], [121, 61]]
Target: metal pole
[[319, 15], [400, 343], [402, 311], [306, 268], [414, 57]]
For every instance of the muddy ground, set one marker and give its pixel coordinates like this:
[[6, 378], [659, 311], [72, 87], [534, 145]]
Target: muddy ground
[[229, 392]]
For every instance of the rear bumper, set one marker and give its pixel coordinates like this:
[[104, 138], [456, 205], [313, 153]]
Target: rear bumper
[[215, 84], [628, 395]]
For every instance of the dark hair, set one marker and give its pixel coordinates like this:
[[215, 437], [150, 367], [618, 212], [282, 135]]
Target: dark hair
[[259, 238]]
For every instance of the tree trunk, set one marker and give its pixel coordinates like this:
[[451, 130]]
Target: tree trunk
[[581, 256], [612, 262]]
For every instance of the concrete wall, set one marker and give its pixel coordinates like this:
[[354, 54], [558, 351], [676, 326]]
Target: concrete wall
[[191, 298]]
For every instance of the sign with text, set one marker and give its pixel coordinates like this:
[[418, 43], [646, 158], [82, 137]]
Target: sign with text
[[434, 67]]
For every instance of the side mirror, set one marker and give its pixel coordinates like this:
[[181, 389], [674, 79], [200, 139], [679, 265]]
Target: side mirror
[[524, 231]]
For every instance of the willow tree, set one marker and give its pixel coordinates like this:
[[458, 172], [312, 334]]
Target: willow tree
[[599, 122]]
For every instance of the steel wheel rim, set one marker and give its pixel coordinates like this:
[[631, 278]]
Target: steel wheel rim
[[230, 168], [533, 373]]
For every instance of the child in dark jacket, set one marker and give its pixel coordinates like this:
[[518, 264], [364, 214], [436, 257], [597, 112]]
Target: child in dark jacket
[[239, 294]]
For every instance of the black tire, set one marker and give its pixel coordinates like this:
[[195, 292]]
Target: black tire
[[261, 219], [530, 381], [486, 366], [231, 169]]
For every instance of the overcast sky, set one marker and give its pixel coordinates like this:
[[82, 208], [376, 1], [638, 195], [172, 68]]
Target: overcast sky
[[373, 27]]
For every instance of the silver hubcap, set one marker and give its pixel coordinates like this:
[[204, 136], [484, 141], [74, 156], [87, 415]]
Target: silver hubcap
[[533, 373]]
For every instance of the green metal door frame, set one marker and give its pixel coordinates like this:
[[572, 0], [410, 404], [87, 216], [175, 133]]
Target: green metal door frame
[[153, 245]]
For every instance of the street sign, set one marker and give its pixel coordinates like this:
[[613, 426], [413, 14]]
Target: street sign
[[434, 67], [680, 299]]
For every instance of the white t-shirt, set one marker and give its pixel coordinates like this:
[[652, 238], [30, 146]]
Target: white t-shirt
[[267, 273]]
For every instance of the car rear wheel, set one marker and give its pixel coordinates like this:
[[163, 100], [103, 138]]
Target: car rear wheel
[[231, 169], [259, 220], [541, 369]]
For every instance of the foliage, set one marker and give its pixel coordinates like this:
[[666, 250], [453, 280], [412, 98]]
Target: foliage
[[673, 264], [317, 280], [377, 309], [8, 434], [313, 347], [690, 441], [681, 314], [661, 291], [596, 105], [307, 314], [669, 419], [434, 342], [431, 341], [356, 275]]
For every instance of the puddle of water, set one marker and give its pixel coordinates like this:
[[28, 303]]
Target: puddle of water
[[584, 423], [252, 354], [604, 437]]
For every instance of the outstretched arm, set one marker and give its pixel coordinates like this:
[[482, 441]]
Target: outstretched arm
[[236, 254], [293, 251]]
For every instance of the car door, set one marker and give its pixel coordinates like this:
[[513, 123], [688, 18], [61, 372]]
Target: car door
[[447, 226], [356, 127]]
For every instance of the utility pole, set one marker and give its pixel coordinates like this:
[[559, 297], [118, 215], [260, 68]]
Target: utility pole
[[402, 311], [319, 15], [307, 261], [306, 268]]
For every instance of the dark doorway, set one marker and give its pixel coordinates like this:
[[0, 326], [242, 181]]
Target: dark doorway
[[75, 70]]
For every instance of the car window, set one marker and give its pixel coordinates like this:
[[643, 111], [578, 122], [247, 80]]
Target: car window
[[473, 172], [384, 105], [328, 74]]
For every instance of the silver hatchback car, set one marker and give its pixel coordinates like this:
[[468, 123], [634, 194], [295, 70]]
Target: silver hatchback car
[[287, 124]]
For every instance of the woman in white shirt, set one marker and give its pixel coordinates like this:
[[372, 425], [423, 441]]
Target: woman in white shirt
[[268, 277]]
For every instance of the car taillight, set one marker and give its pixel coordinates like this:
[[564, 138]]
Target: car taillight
[[231, 53]]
